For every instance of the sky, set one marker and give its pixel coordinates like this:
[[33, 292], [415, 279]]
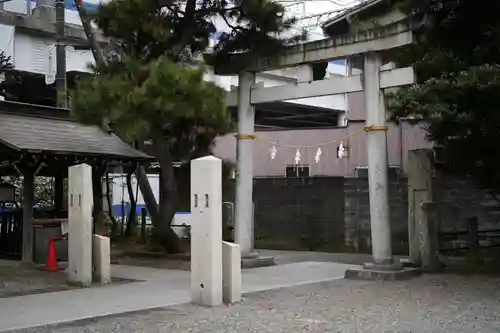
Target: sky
[[311, 13]]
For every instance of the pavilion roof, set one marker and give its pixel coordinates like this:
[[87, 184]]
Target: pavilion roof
[[36, 134]]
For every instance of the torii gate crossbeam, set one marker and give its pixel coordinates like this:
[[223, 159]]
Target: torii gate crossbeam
[[369, 44]]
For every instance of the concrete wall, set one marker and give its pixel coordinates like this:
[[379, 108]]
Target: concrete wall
[[7, 39], [289, 76], [400, 140]]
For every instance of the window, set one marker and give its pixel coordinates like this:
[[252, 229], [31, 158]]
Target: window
[[297, 171]]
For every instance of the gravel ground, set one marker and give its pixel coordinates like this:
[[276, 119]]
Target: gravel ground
[[18, 279], [431, 303]]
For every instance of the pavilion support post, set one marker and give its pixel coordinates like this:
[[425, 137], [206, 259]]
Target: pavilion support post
[[28, 202], [243, 230], [59, 193], [376, 139]]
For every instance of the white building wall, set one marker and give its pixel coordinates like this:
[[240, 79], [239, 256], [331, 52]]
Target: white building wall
[[7, 39], [119, 188], [37, 54]]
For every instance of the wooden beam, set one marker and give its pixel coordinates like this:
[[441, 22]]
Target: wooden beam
[[388, 37], [338, 85]]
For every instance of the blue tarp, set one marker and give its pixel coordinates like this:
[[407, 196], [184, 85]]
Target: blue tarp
[[117, 210]]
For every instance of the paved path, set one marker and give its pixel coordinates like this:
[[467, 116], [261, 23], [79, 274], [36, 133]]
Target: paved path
[[428, 304], [160, 288]]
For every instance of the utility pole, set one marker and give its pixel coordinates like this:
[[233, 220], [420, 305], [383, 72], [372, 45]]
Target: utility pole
[[61, 83]]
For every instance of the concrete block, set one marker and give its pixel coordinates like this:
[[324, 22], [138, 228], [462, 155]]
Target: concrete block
[[80, 225], [101, 259], [44, 13], [231, 272], [206, 231]]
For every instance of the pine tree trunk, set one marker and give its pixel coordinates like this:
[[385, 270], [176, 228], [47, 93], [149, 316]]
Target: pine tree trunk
[[109, 200], [147, 192], [98, 213], [168, 194]]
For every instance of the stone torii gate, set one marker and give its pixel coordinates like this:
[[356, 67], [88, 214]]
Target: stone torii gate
[[373, 45]]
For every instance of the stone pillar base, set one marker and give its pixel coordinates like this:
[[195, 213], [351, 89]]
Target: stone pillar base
[[408, 263], [254, 260], [250, 255], [383, 273], [385, 267]]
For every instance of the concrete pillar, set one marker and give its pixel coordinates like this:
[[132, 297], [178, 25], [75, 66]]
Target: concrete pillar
[[376, 139], [80, 225], [231, 272], [101, 258], [28, 202], [44, 10], [206, 231], [48, 3], [305, 73], [419, 197], [243, 230]]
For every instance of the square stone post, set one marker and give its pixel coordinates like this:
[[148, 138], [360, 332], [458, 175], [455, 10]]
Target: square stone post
[[80, 199], [376, 139], [206, 231], [419, 192], [427, 227], [231, 272], [243, 228], [101, 258]]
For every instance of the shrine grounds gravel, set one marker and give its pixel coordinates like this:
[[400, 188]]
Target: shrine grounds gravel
[[431, 303]]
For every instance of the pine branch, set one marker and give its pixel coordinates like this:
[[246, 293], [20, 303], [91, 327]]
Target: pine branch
[[5, 62]]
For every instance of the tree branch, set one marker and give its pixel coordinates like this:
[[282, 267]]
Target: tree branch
[[188, 24]]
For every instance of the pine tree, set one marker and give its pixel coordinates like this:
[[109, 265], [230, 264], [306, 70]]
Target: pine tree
[[152, 86]]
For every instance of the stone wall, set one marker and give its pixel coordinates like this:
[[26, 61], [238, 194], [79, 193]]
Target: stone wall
[[299, 213], [333, 213], [357, 214], [460, 199]]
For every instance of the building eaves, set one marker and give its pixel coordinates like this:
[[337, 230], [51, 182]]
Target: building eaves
[[351, 11], [37, 26]]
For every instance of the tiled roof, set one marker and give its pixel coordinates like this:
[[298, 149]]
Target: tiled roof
[[38, 134], [348, 11]]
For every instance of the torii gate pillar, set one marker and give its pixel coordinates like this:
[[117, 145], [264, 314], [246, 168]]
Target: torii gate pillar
[[376, 139], [243, 228]]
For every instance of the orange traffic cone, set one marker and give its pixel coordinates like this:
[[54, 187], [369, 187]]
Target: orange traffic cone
[[51, 262]]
